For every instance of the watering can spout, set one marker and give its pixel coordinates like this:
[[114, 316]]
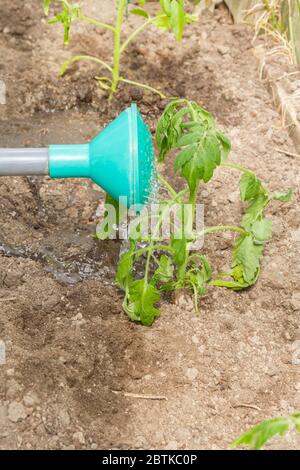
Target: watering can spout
[[120, 159]]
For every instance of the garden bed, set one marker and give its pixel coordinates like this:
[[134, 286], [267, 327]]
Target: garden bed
[[78, 369]]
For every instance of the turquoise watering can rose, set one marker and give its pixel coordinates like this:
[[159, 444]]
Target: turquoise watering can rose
[[120, 159]]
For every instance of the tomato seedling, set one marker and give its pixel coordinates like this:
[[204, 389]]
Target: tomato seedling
[[172, 15], [170, 264], [261, 433]]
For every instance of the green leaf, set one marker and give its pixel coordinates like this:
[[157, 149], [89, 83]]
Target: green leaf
[[173, 16], [205, 160], [283, 196], [296, 421], [144, 296], [255, 210], [199, 276], [184, 156], [108, 226], [246, 255], [189, 138], [46, 6], [191, 130], [124, 272], [225, 144], [262, 230], [235, 285], [166, 6], [249, 187], [177, 19], [165, 270], [140, 12], [260, 434], [180, 250], [193, 173]]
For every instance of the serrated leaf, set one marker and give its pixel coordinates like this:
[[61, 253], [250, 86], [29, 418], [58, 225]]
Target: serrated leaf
[[165, 270], [249, 187], [247, 255], [144, 296], [260, 434], [184, 156], [124, 272], [283, 196], [255, 210], [262, 230], [192, 172], [188, 139], [185, 125], [199, 276]]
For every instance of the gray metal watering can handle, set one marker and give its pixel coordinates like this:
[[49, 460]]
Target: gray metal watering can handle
[[24, 161]]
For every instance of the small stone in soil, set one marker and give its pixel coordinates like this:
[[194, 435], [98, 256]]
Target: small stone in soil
[[16, 412], [13, 279], [295, 301], [223, 49], [64, 418], [191, 373], [31, 399], [78, 438], [296, 235]]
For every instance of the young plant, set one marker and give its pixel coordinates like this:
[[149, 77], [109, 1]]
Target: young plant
[[171, 16], [172, 263], [260, 434]]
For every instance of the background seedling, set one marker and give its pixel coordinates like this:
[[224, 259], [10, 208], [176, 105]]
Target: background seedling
[[171, 15], [260, 434], [169, 265]]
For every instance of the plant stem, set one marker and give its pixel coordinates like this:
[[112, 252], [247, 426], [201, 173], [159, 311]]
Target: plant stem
[[193, 112], [148, 264], [193, 199], [190, 224], [142, 85], [167, 185], [77, 58], [96, 23], [141, 251], [237, 167], [137, 32], [117, 48]]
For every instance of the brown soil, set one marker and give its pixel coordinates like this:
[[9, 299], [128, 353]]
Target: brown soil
[[72, 355]]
